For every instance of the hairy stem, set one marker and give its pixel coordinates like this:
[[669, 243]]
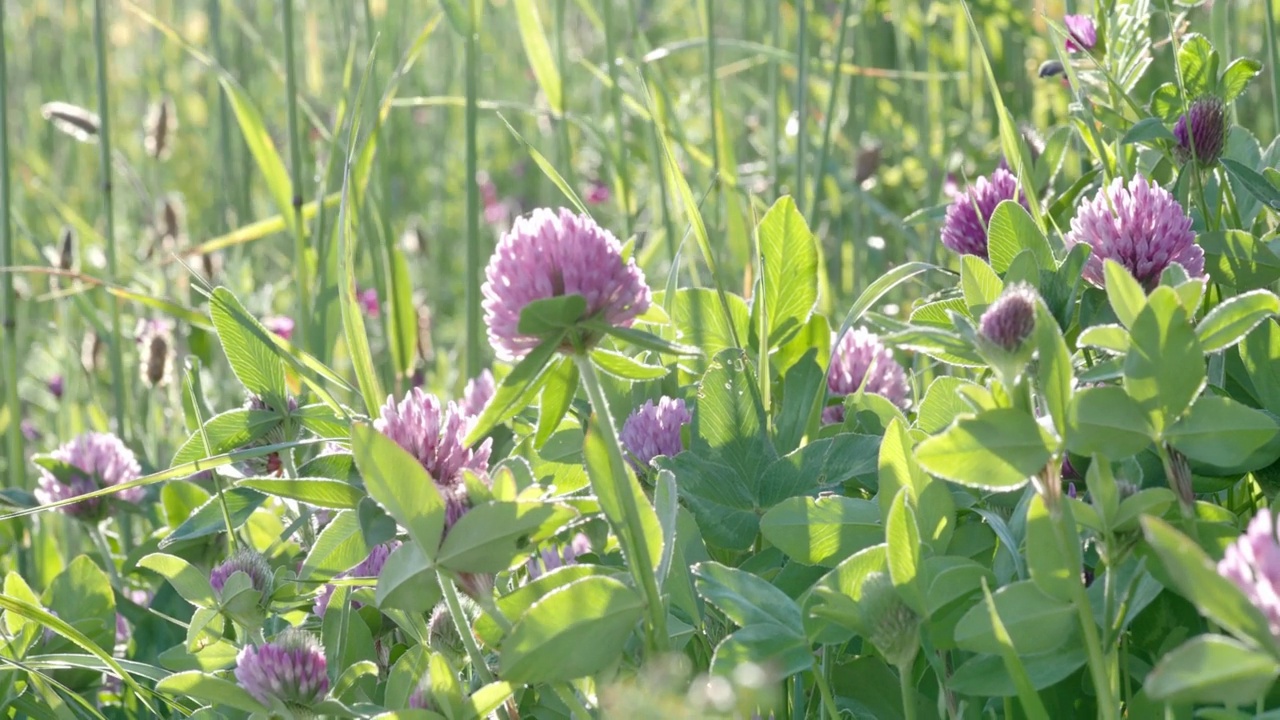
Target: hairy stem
[[629, 532]]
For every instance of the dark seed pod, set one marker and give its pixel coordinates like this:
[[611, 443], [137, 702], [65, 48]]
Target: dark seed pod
[[167, 225], [158, 128], [868, 162], [211, 264], [413, 240], [1051, 68], [67, 248], [73, 120]]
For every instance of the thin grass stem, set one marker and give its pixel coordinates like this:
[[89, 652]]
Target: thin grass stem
[[622, 164], [8, 296], [474, 328], [301, 270], [118, 379]]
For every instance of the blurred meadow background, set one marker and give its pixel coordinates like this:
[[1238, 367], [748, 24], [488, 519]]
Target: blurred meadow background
[[217, 117]]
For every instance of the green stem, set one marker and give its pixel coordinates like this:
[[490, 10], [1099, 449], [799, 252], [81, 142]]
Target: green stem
[[828, 700], [562, 123], [1274, 52], [474, 327], [775, 119], [629, 532], [717, 214], [8, 298], [570, 698], [802, 98], [908, 692], [1107, 707], [829, 120], [113, 268], [615, 98], [224, 129], [479, 666], [104, 551], [464, 631], [301, 269], [659, 171]]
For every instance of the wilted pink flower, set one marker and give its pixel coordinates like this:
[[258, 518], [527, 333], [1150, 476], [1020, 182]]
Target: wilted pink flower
[[270, 464], [950, 186], [1253, 564], [1011, 319], [93, 461], [1147, 231], [1207, 136], [965, 228], [122, 630], [653, 430], [280, 325], [1082, 34], [248, 561], [55, 386], [290, 669], [368, 299], [421, 698], [496, 211], [371, 566], [551, 558], [477, 394], [138, 597], [434, 435], [547, 255], [860, 360], [597, 193]]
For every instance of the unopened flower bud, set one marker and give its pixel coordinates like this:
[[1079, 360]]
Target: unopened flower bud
[[1011, 319]]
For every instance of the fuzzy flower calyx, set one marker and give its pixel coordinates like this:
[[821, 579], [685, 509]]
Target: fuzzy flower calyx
[[1202, 131], [892, 627], [290, 670], [1010, 320], [247, 561]]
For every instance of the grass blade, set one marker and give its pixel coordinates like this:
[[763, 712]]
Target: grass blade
[[352, 318], [538, 51]]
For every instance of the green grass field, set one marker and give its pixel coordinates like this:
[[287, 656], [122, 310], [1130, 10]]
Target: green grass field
[[279, 148]]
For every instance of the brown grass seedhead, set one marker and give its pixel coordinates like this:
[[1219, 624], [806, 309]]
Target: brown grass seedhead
[[158, 129], [91, 352], [67, 248]]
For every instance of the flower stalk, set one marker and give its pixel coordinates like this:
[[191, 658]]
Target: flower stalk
[[630, 531]]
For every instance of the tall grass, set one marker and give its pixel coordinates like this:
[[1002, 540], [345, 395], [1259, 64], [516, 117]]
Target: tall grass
[[8, 298], [119, 383]]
